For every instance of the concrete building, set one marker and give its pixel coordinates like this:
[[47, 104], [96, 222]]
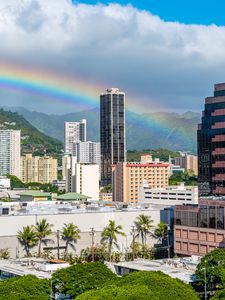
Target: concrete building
[[74, 132], [4, 183], [38, 169], [81, 178], [188, 162], [171, 195], [129, 177], [211, 148], [87, 152], [112, 132], [34, 195], [105, 197], [10, 152], [94, 216], [60, 184], [199, 229]]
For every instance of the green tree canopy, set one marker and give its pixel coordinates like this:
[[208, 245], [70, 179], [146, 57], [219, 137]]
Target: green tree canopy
[[79, 278], [28, 238], [214, 264], [42, 230], [110, 233], [70, 234], [136, 292], [155, 285], [143, 225], [160, 231], [25, 288]]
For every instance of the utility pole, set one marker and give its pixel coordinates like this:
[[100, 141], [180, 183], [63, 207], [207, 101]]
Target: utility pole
[[168, 240], [205, 284], [58, 244], [92, 233], [133, 241]]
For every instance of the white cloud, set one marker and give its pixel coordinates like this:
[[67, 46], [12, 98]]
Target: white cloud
[[159, 62]]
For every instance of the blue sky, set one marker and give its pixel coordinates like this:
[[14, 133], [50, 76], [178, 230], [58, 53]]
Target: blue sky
[[183, 11]]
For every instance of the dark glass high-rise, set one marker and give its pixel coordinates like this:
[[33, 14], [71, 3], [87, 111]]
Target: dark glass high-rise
[[112, 132], [211, 144]]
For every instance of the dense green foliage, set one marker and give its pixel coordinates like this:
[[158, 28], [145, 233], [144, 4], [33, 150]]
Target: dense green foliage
[[160, 231], [79, 278], [107, 189], [187, 177], [220, 295], [17, 183], [128, 292], [214, 262], [32, 139], [155, 285], [162, 154], [25, 288]]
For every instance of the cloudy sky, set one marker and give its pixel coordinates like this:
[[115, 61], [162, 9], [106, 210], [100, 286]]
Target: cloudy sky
[[164, 55]]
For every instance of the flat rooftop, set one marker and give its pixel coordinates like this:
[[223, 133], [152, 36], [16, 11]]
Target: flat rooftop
[[21, 267], [54, 208], [181, 268]]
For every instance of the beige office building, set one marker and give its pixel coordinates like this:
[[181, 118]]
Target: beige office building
[[188, 162], [38, 169], [129, 177]]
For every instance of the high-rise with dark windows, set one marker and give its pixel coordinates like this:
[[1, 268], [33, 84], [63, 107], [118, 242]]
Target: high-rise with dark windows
[[211, 144], [112, 132]]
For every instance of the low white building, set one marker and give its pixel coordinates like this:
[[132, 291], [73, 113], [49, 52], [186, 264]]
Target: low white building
[[4, 182], [14, 216], [171, 195]]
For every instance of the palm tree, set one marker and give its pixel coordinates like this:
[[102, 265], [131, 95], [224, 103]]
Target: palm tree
[[160, 231], [143, 225], [70, 234], [42, 229], [28, 238], [110, 233]]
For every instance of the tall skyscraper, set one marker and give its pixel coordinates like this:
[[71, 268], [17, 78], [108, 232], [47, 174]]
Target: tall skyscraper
[[211, 144], [74, 132], [10, 151], [112, 132]]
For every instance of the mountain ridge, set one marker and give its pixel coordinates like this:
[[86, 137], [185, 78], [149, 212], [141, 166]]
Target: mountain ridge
[[151, 130]]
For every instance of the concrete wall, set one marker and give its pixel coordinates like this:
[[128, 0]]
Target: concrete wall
[[10, 225]]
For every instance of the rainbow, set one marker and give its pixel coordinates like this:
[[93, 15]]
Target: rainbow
[[48, 84], [72, 90]]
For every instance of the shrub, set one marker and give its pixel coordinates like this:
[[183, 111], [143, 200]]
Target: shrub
[[25, 288], [80, 278]]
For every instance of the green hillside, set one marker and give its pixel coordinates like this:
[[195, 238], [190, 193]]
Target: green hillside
[[32, 140]]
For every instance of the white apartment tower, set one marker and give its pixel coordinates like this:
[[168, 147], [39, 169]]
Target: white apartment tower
[[87, 152], [81, 178], [10, 151], [73, 133]]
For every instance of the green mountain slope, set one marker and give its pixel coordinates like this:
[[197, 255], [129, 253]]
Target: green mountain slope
[[31, 138], [147, 131]]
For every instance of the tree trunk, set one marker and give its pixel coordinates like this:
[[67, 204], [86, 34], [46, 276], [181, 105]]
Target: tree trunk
[[66, 249], [142, 239], [39, 248], [27, 250]]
